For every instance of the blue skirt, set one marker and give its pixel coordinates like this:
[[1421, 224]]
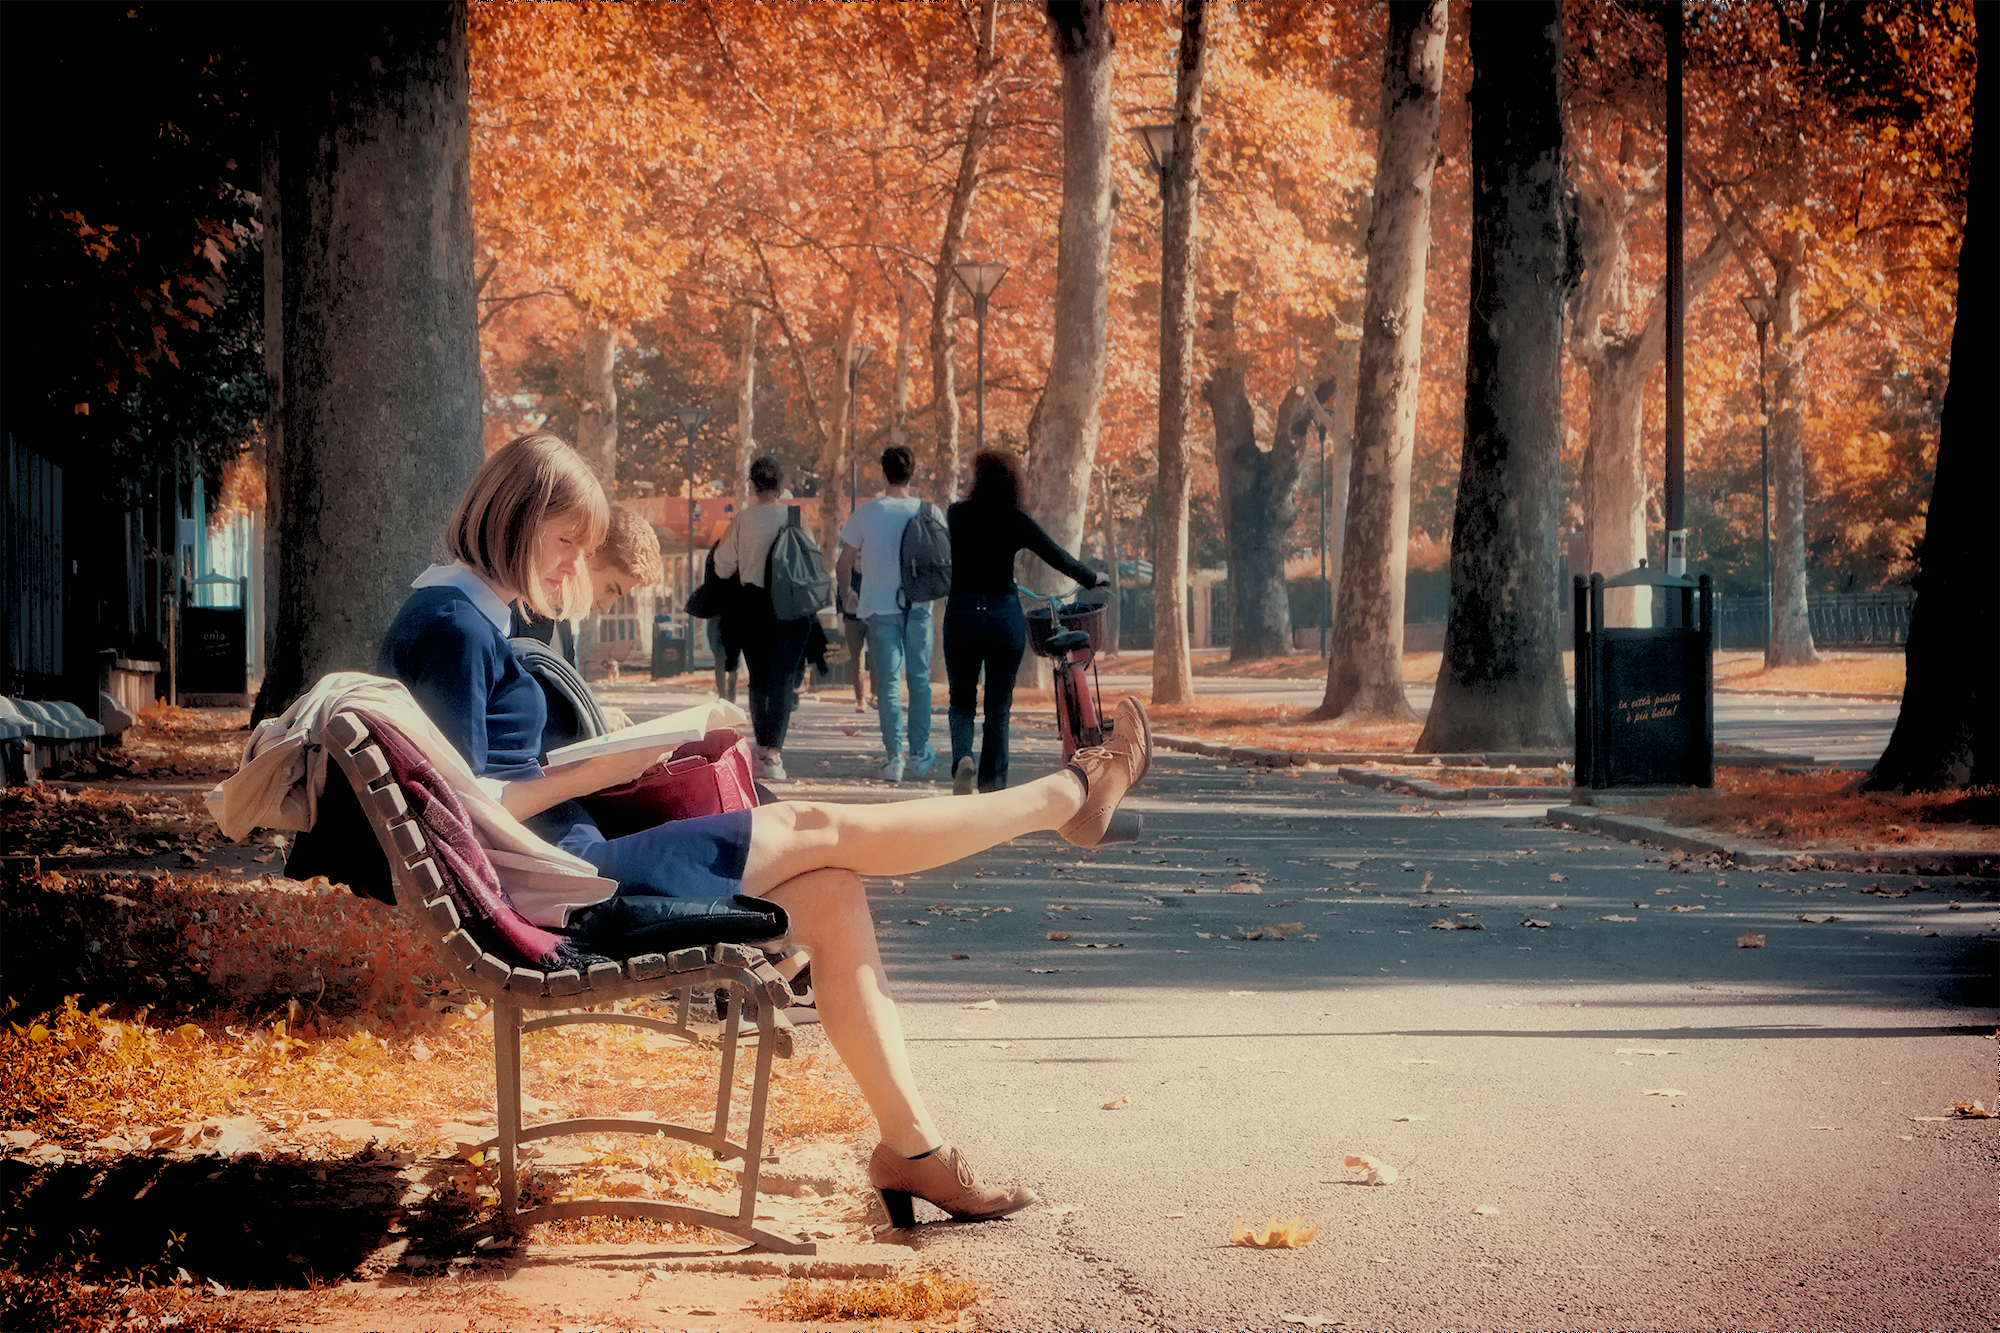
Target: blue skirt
[[679, 884]]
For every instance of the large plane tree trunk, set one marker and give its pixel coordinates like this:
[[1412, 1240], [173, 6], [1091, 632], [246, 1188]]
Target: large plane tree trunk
[[1948, 733], [1062, 433], [381, 421], [946, 462], [1259, 490], [597, 413], [1364, 677], [1501, 685], [1173, 669]]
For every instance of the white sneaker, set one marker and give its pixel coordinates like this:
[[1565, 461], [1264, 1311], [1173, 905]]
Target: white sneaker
[[891, 770], [769, 770]]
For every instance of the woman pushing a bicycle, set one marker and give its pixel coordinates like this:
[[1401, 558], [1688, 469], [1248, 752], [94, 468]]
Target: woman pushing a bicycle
[[984, 627]]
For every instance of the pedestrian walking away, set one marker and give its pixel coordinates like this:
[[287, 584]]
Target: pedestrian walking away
[[520, 534], [985, 631], [899, 626], [773, 649]]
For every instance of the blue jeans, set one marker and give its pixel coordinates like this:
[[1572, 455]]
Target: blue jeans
[[899, 648], [988, 634]]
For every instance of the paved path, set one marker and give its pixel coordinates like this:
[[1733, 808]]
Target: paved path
[[1796, 1176]]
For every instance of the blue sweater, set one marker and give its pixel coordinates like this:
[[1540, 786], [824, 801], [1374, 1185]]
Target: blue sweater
[[466, 679]]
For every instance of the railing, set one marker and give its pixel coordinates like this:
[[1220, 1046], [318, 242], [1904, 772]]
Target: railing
[[1838, 620]]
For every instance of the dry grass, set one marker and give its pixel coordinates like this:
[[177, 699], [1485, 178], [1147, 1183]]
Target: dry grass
[[921, 1296], [1279, 727], [1821, 809]]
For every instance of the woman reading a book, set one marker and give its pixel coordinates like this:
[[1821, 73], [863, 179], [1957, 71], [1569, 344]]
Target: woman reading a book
[[521, 533]]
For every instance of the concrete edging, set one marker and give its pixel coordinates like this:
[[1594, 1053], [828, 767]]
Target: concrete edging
[[1762, 856]]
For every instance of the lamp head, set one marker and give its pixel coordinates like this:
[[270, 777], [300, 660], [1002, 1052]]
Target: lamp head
[[979, 277], [691, 418], [1158, 141], [858, 357]]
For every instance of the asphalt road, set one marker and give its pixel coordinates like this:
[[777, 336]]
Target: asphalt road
[[1670, 1131]]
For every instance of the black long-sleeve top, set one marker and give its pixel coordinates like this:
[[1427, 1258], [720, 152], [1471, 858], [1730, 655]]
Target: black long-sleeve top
[[984, 539]]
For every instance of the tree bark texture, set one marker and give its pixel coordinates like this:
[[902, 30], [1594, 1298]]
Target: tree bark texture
[[1948, 732], [1063, 431], [951, 248], [746, 410], [1344, 370], [834, 460], [597, 414], [381, 414], [1501, 684], [1364, 677], [1791, 631], [1619, 344], [1258, 489], [271, 216], [1173, 671]]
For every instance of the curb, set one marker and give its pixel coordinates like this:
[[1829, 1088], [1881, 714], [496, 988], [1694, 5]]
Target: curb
[[1253, 754], [1364, 777], [1762, 856]]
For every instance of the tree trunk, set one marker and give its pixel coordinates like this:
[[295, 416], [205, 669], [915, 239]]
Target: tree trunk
[[597, 414], [746, 410], [833, 466], [1062, 434], [1339, 467], [271, 215], [1364, 676], [1501, 685], [899, 396], [1258, 489], [1791, 631], [1948, 732], [1173, 671], [381, 351], [944, 280]]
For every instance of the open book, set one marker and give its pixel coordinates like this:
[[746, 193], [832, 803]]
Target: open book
[[662, 733]]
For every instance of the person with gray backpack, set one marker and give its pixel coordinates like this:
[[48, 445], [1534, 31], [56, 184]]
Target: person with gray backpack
[[784, 586], [904, 551]]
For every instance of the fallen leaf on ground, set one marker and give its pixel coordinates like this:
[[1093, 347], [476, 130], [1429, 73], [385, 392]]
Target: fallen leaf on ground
[[1242, 887], [1311, 1320], [1749, 939], [983, 1004], [1538, 925], [1687, 907], [960, 957], [1282, 931], [1277, 1234], [1615, 917], [1972, 1110], [1117, 1102], [1487, 1210], [1373, 1172], [1058, 935], [1661, 1092], [1557, 879]]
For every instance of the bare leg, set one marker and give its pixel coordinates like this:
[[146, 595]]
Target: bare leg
[[829, 915], [795, 838]]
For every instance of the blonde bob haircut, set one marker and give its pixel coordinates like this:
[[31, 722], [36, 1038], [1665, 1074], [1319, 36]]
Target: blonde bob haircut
[[529, 484]]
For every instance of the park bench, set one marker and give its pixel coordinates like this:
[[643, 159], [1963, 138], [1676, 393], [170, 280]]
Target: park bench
[[439, 873]]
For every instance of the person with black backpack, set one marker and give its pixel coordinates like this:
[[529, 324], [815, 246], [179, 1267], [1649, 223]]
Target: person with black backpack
[[984, 627], [773, 555], [904, 552]]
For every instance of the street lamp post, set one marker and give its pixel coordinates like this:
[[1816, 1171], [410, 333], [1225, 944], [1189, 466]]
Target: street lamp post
[[980, 278], [1325, 588], [857, 359], [1759, 310], [691, 419], [1158, 141]]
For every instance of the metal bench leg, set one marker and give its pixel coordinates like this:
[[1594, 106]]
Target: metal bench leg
[[760, 1092], [726, 1084]]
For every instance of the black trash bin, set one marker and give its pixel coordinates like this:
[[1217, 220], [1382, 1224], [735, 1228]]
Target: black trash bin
[[1645, 698], [669, 649]]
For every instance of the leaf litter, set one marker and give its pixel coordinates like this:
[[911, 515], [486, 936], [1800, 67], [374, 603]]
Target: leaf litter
[[1276, 1234]]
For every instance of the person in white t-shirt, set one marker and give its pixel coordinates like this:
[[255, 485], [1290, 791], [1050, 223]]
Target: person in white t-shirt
[[899, 634]]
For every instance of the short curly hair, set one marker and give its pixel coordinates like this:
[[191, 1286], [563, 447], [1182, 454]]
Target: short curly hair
[[631, 547]]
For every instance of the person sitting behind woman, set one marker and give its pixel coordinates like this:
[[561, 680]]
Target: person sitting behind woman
[[522, 531], [984, 628], [627, 560]]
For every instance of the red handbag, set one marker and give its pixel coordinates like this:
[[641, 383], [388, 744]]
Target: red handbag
[[710, 776]]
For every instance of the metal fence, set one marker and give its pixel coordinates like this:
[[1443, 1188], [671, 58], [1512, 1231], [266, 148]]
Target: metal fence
[[1838, 620]]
